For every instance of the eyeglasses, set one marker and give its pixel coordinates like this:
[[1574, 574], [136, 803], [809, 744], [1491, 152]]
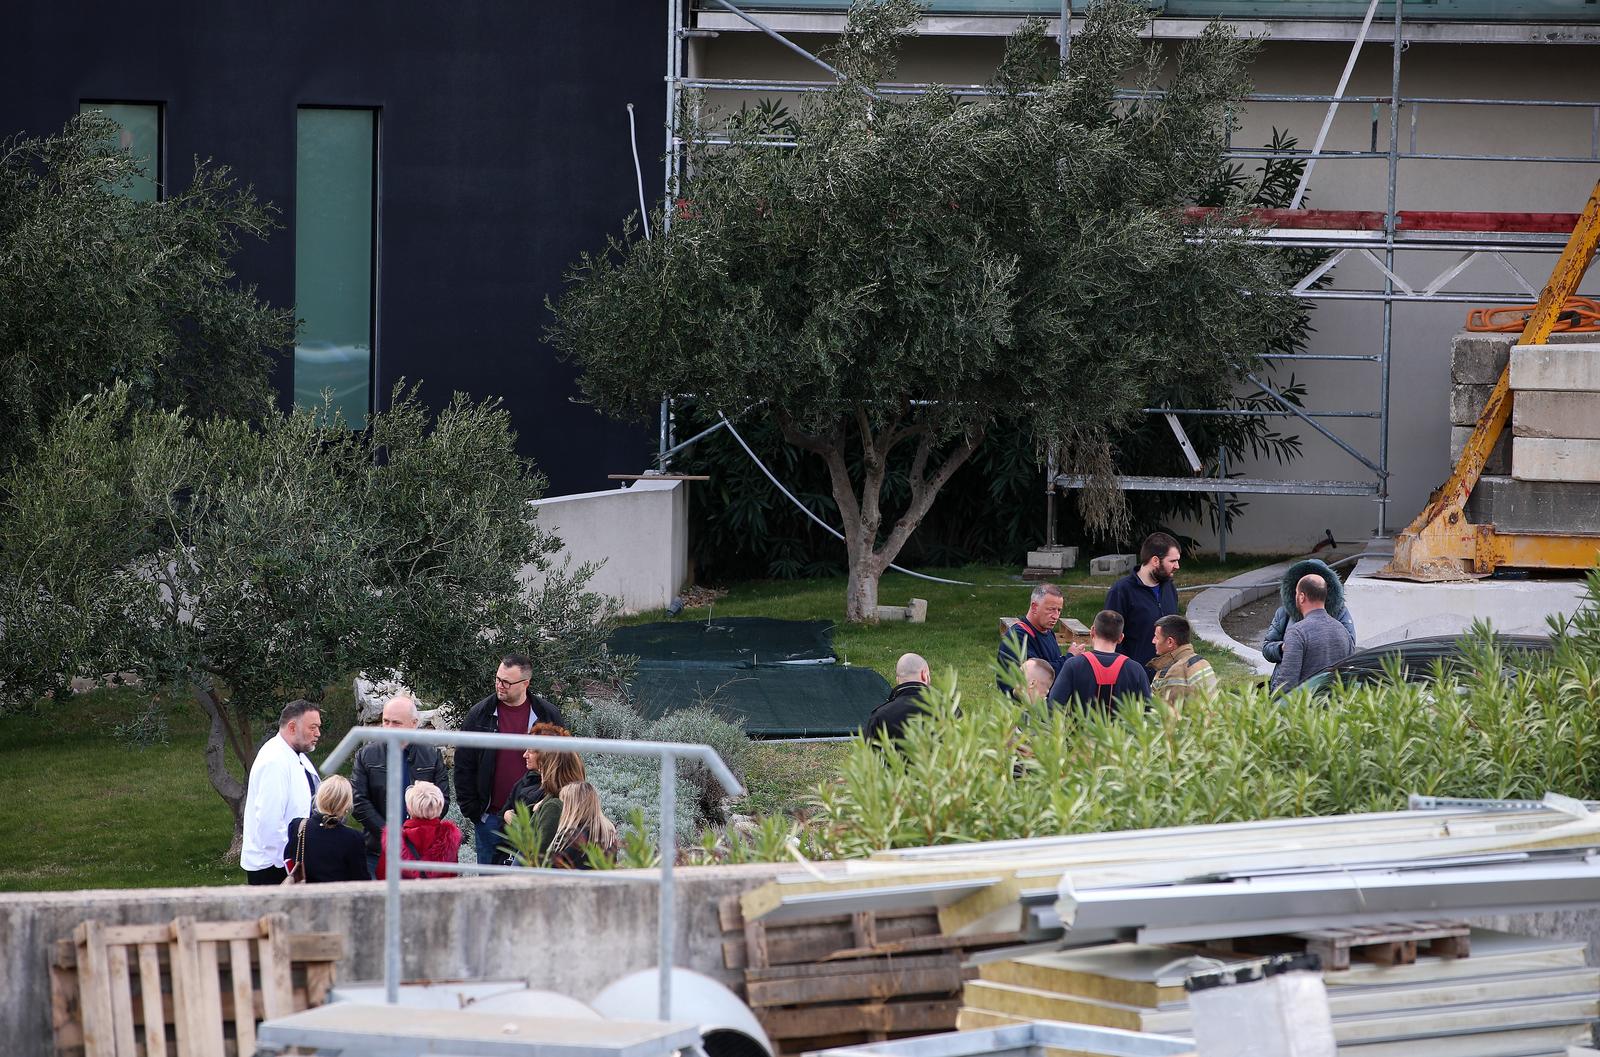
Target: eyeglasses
[[508, 683]]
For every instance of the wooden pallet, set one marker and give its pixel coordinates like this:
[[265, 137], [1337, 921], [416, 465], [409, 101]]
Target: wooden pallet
[[850, 978], [1388, 943], [111, 984]]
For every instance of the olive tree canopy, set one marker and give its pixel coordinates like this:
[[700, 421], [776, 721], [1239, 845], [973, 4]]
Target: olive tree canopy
[[876, 271]]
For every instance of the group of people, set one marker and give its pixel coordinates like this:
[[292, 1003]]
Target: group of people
[[296, 822], [1140, 647]]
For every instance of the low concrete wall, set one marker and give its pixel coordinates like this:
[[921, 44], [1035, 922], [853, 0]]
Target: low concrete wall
[[572, 935], [640, 533]]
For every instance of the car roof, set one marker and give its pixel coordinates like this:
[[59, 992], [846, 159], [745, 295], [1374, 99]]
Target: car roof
[[1423, 651]]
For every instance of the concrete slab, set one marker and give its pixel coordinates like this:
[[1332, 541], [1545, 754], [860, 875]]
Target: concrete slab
[[1535, 506], [1391, 610], [1541, 414], [1499, 456], [1533, 459], [1479, 359], [1055, 559], [1557, 368], [1113, 564]]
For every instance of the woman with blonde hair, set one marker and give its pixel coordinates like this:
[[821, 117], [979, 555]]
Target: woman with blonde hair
[[321, 845], [583, 826], [424, 835], [557, 770]]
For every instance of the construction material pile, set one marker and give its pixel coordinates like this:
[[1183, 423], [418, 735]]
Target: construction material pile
[[1108, 925]]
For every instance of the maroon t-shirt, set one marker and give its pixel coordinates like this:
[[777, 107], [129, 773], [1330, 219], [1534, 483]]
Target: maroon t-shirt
[[509, 765]]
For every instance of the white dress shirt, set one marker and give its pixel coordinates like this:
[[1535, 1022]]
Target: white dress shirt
[[277, 795]]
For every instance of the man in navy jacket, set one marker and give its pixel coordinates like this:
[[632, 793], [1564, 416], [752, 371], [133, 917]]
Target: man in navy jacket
[[1035, 634], [1101, 677], [1146, 595]]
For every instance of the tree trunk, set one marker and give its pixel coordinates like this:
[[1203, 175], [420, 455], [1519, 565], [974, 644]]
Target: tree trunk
[[227, 786], [861, 594]]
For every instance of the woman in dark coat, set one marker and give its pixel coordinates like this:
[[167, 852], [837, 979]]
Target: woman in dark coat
[[333, 851]]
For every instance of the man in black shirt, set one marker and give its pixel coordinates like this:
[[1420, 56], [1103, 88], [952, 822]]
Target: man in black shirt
[[1146, 595], [911, 679]]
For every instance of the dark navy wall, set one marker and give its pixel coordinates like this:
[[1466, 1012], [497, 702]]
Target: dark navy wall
[[503, 154]]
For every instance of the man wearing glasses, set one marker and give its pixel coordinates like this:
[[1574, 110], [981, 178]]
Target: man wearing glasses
[[484, 777]]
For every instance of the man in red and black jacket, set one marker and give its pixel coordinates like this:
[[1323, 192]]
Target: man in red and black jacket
[[1035, 634], [1100, 677], [484, 777]]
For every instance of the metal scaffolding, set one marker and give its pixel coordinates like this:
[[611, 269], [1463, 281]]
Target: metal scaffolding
[[1375, 239]]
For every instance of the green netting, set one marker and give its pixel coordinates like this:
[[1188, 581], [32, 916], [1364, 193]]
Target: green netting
[[773, 700], [725, 641]]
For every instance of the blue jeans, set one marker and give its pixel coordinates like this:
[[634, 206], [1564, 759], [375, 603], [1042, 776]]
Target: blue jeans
[[487, 838], [372, 863]]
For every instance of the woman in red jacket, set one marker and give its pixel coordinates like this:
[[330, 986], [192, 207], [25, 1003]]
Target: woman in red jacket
[[424, 836]]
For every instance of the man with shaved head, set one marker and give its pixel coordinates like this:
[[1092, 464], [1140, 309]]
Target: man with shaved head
[[370, 779], [1315, 641], [911, 679]]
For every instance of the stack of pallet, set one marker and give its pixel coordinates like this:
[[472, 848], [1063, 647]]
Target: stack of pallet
[[189, 989], [1544, 473], [1508, 995], [850, 978]]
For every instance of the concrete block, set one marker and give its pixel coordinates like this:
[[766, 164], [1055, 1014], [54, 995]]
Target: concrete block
[[1534, 506], [891, 614], [1479, 359], [1556, 368], [1466, 403], [1113, 564], [1533, 459], [917, 611], [1541, 414], [1056, 559], [1499, 455]]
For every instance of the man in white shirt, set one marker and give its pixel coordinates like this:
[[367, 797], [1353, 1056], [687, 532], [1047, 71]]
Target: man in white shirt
[[282, 782]]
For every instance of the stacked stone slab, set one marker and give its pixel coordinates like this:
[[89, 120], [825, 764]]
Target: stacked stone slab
[[1476, 362], [1544, 474]]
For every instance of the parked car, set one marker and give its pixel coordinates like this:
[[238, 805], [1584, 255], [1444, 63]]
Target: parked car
[[1417, 657]]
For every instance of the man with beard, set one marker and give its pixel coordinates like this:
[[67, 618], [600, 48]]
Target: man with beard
[[485, 777], [282, 782], [1146, 595]]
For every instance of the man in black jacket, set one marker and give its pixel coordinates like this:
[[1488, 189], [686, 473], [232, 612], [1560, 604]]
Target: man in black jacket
[[484, 777], [370, 778], [911, 678]]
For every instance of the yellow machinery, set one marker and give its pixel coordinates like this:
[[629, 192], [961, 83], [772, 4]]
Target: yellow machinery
[[1441, 544]]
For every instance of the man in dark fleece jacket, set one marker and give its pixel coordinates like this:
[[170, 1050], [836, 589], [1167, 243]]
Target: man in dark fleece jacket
[[1146, 595], [1035, 634], [911, 679]]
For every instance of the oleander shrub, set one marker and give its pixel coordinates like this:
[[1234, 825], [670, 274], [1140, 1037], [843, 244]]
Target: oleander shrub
[[984, 767]]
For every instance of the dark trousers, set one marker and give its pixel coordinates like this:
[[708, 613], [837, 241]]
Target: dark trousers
[[487, 838], [272, 875]]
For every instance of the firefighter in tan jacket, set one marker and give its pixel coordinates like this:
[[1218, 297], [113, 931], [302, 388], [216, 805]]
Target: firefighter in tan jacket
[[1178, 675]]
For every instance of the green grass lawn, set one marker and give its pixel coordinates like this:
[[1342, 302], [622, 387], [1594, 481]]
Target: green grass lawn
[[101, 812], [962, 631]]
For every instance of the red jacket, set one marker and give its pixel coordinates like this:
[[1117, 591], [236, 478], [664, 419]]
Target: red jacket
[[426, 839]]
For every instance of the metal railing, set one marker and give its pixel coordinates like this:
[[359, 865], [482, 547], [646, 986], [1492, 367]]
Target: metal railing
[[668, 752]]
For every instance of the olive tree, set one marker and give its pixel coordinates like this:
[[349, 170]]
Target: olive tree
[[96, 287], [252, 563], [883, 271]]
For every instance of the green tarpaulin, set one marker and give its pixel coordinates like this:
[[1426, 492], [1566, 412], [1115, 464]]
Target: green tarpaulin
[[778, 676]]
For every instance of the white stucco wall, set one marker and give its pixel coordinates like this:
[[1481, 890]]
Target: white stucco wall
[[640, 533], [1419, 428]]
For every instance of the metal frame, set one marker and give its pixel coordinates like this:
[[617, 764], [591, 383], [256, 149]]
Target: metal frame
[[1378, 248], [668, 752]]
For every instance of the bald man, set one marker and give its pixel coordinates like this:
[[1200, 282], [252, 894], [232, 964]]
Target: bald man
[[1041, 677], [370, 779], [911, 679]]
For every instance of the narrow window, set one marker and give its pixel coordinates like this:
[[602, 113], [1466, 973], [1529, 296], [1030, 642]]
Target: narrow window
[[334, 229], [140, 135]]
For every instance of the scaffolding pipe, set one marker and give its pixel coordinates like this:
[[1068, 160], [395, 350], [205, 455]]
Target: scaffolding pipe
[[1333, 107], [1387, 350]]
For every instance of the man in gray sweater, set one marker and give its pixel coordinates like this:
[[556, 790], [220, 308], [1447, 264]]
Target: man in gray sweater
[[1315, 641]]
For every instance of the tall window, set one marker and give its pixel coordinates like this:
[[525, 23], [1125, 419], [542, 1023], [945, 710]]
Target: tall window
[[336, 169], [139, 134]]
